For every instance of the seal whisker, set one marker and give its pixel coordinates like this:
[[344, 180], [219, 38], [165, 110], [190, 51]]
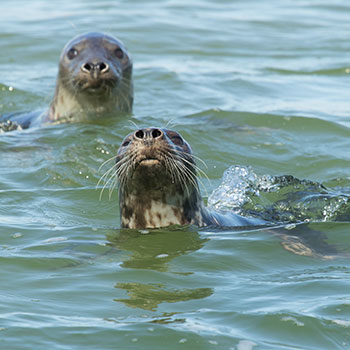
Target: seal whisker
[[190, 176], [106, 162], [177, 164], [158, 184], [170, 169], [115, 169], [195, 178], [115, 177], [184, 171], [124, 168], [170, 124], [181, 176], [105, 175], [104, 178], [189, 172], [133, 123], [123, 86], [198, 169], [196, 157], [113, 186]]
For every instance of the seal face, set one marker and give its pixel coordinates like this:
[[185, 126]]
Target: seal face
[[158, 187], [94, 78]]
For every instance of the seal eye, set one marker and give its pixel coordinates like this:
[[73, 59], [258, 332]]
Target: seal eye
[[119, 53], [72, 53], [177, 140]]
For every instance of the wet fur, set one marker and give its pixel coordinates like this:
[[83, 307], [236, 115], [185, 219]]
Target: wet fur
[[79, 95], [158, 187]]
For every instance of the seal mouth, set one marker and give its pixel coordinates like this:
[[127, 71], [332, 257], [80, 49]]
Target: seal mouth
[[96, 86], [95, 90], [149, 162]]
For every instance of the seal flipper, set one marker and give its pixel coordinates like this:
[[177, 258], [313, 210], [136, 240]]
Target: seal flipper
[[305, 241], [18, 121], [223, 218]]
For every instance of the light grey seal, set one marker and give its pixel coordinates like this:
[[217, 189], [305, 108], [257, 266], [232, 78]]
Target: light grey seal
[[94, 79], [158, 187]]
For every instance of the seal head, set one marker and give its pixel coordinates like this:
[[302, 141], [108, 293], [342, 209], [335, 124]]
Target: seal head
[[158, 185], [95, 77]]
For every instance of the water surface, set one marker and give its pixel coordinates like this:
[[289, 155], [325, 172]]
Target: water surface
[[262, 87]]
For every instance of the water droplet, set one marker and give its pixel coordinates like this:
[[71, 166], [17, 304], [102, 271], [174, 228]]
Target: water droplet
[[17, 235], [144, 232]]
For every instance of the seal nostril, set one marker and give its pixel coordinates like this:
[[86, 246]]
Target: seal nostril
[[156, 133], [87, 67], [139, 134], [103, 67]]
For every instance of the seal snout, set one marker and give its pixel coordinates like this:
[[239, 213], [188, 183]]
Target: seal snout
[[91, 68], [147, 143], [148, 134]]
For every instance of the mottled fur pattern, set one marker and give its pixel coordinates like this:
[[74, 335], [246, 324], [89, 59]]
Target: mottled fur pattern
[[154, 174], [157, 178]]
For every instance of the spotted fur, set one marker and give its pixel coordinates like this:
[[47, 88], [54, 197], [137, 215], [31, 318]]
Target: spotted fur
[[158, 187]]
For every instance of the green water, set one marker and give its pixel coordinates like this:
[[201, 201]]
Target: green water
[[252, 83]]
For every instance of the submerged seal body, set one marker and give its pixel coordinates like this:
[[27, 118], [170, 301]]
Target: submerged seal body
[[158, 187], [94, 79]]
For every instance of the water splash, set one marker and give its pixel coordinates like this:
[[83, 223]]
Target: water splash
[[279, 198]]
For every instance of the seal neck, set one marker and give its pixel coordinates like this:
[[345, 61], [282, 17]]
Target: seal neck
[[139, 211]]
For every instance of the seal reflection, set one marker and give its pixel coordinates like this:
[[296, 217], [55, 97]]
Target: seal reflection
[[154, 251]]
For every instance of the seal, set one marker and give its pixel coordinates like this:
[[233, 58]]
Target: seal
[[94, 79], [158, 187]]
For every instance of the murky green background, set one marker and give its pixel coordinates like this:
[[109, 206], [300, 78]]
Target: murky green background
[[259, 83]]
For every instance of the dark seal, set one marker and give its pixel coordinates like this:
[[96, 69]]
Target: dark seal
[[158, 187], [94, 79]]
